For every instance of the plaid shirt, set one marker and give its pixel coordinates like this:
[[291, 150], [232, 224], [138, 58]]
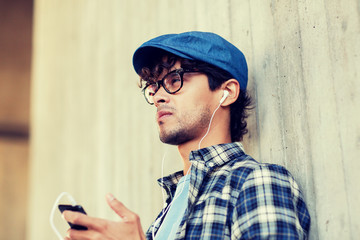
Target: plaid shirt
[[232, 196]]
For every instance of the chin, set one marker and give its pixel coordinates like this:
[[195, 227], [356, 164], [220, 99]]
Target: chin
[[174, 139]]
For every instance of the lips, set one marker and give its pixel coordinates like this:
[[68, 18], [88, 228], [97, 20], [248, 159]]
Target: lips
[[162, 115]]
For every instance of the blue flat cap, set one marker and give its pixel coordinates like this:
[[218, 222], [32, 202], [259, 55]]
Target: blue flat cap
[[203, 46]]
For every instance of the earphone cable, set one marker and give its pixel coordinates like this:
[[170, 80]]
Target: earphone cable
[[61, 195]]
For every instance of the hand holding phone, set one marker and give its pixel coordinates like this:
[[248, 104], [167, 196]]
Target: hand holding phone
[[74, 208]]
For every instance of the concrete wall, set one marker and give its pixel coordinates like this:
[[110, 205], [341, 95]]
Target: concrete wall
[[93, 133]]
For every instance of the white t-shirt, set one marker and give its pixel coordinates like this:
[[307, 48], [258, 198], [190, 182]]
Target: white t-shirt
[[171, 223]]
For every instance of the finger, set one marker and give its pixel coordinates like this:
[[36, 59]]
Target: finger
[[83, 220], [71, 216], [118, 207]]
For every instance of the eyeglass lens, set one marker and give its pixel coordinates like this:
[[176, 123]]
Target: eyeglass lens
[[172, 83]]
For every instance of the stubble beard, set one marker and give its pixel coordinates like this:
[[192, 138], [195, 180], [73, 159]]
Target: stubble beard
[[188, 127]]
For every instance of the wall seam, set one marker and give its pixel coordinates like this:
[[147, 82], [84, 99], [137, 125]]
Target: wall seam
[[255, 85], [308, 138], [338, 123]]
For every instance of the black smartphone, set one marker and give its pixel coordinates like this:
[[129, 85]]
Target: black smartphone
[[74, 208]]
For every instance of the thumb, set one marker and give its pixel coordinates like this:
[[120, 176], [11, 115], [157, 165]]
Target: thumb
[[117, 206]]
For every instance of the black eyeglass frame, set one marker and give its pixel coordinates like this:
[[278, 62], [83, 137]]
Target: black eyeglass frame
[[159, 83]]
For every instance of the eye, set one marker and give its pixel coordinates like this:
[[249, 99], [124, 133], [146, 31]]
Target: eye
[[175, 80]]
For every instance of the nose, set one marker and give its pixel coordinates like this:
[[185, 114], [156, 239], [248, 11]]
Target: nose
[[161, 96]]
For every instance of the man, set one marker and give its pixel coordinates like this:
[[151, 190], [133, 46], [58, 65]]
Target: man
[[197, 81]]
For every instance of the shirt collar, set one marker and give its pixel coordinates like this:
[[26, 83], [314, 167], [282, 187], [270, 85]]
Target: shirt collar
[[204, 160], [216, 155]]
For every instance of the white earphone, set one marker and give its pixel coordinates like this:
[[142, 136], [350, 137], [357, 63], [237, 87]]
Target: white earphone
[[225, 95]]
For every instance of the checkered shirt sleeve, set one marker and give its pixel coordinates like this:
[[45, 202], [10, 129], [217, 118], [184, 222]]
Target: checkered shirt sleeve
[[270, 206]]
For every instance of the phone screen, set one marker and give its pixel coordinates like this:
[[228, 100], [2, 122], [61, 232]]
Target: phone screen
[[74, 208]]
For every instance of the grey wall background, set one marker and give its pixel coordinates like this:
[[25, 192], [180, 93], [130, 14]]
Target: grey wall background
[[93, 133]]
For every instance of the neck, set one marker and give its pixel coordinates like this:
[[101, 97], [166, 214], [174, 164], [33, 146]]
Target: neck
[[218, 134]]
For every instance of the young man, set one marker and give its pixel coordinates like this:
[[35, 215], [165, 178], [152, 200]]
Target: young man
[[197, 81]]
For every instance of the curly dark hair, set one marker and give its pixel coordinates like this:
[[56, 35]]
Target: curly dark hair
[[239, 110]]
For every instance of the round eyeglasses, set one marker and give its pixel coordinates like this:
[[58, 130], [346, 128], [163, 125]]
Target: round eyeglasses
[[172, 82]]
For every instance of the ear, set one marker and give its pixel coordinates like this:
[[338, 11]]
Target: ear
[[233, 87]]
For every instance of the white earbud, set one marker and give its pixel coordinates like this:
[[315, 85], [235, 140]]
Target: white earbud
[[225, 95]]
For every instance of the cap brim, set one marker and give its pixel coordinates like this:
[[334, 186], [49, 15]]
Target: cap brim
[[145, 55]]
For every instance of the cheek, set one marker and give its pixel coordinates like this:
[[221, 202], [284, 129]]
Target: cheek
[[196, 97], [192, 111], [188, 108], [203, 100]]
